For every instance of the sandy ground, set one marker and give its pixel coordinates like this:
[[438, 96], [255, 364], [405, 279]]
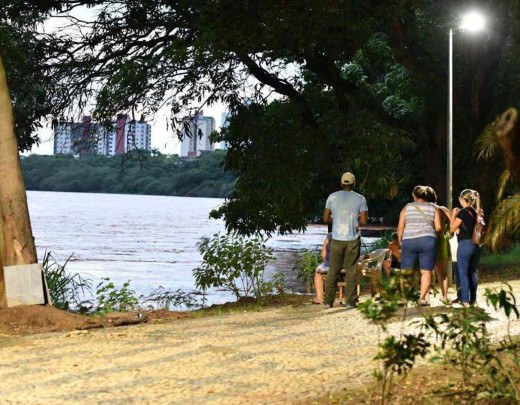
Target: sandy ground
[[275, 356]]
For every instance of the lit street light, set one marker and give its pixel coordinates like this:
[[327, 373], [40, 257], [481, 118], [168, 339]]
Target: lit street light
[[472, 22]]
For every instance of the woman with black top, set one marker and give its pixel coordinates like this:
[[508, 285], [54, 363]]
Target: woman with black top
[[468, 254]]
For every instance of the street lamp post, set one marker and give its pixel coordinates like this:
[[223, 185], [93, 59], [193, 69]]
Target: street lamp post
[[472, 22]]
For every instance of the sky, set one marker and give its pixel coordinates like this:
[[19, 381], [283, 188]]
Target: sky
[[163, 138]]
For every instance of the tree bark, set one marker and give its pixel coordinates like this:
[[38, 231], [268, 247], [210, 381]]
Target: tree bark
[[16, 239]]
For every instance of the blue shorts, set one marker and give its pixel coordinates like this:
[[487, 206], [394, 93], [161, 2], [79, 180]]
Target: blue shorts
[[322, 269], [423, 249]]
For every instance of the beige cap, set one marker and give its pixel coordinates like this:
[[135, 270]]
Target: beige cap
[[348, 178]]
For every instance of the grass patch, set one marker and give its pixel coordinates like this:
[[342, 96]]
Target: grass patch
[[254, 305], [509, 258]]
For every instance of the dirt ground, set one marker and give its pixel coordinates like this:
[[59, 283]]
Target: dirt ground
[[276, 356]]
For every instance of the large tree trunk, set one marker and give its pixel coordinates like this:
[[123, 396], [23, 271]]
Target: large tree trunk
[[16, 240]]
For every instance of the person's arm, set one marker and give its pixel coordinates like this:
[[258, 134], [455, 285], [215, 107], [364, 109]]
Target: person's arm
[[437, 221], [363, 212], [324, 249], [327, 216], [363, 217], [455, 224], [455, 221], [401, 225]]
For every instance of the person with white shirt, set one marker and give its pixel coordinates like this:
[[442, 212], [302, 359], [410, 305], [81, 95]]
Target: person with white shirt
[[346, 209]]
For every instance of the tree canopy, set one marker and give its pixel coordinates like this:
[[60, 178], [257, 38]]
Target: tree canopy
[[139, 174], [315, 88]]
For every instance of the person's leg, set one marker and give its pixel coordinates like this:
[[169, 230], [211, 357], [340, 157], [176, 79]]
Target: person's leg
[[336, 260], [464, 253], [318, 284], [408, 255], [442, 278], [427, 249], [473, 275], [387, 266], [350, 264], [455, 271], [426, 281]]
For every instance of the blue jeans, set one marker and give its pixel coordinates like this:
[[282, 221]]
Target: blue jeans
[[455, 271], [468, 256], [421, 249]]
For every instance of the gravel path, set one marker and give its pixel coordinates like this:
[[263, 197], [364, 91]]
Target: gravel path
[[275, 356]]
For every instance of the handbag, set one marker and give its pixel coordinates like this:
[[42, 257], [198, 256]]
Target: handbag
[[479, 230]]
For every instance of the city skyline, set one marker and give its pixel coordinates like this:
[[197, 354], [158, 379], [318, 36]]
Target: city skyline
[[164, 139]]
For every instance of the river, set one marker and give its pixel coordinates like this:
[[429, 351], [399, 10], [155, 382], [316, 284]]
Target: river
[[149, 240]]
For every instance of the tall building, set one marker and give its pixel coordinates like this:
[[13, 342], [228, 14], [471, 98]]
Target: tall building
[[196, 135], [79, 139], [138, 135], [224, 123]]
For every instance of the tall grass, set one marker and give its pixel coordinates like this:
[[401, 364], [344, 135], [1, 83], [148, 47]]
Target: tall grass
[[508, 258], [67, 291]]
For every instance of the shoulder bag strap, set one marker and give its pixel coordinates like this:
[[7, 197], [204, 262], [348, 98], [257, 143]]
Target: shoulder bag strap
[[424, 215]]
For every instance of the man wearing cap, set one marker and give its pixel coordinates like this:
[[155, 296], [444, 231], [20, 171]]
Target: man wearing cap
[[346, 210]]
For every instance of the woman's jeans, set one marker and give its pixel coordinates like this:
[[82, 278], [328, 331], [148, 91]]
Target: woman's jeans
[[468, 256]]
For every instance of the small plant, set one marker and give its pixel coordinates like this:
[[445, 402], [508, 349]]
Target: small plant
[[163, 298], [505, 383], [396, 355], [276, 285], [380, 243], [234, 263], [111, 299], [463, 340], [307, 267], [67, 291]]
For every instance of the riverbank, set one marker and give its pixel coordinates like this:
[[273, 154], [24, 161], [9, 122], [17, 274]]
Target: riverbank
[[290, 354]]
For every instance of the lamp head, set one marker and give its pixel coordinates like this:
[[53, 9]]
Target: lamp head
[[473, 22]]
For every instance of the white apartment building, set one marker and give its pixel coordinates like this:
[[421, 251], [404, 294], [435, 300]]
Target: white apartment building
[[77, 138], [224, 123], [80, 138], [64, 134], [138, 135], [196, 135]]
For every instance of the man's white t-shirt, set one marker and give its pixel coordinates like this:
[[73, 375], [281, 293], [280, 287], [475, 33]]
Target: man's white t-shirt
[[345, 207]]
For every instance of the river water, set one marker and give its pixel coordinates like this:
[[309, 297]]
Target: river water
[[149, 240]]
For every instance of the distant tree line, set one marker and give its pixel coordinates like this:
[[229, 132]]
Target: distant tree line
[[153, 174]]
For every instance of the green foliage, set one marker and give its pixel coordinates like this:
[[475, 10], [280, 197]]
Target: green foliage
[[163, 298], [109, 298], [398, 354], [67, 291], [510, 257], [131, 174], [463, 339], [276, 285], [502, 299], [382, 242], [307, 267], [234, 263], [35, 92]]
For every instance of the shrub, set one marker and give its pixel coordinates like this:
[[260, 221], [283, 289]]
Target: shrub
[[234, 263], [67, 291], [276, 285], [163, 298], [307, 267], [111, 299]]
